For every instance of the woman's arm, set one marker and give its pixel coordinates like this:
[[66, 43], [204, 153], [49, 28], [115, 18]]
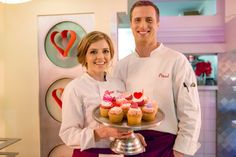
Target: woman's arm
[[72, 125]]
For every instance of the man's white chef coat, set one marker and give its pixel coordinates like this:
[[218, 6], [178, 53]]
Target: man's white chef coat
[[167, 77], [79, 99]]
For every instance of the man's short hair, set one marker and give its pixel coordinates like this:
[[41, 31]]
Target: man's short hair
[[144, 3]]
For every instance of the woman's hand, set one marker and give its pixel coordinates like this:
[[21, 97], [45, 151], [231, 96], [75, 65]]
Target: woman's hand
[[178, 154], [106, 132], [118, 133]]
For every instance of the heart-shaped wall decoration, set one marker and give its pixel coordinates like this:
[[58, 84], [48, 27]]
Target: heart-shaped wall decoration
[[56, 94], [60, 43], [66, 35]]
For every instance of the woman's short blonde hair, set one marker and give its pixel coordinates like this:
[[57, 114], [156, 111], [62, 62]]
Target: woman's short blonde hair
[[87, 40]]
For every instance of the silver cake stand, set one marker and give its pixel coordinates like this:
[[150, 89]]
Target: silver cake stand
[[131, 145]]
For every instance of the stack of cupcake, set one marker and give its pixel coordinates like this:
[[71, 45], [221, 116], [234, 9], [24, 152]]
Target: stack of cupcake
[[134, 107]]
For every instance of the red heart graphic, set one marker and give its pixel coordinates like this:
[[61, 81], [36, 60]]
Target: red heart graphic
[[138, 95], [56, 94], [64, 35]]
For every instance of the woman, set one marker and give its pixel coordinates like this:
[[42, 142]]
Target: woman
[[78, 128]]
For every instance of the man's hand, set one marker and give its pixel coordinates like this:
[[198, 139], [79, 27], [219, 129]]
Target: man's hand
[[141, 138], [178, 154]]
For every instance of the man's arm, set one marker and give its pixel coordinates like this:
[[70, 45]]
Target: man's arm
[[187, 108]]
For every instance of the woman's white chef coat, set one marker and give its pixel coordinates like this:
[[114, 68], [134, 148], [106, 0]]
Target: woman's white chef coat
[[167, 77], [79, 99]]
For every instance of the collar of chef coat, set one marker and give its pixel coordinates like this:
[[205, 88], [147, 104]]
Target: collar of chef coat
[[108, 78], [154, 52]]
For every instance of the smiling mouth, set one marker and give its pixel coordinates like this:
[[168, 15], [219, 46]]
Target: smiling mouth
[[143, 32], [99, 63]]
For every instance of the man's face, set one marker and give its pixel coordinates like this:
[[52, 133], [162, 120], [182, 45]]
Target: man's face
[[144, 24]]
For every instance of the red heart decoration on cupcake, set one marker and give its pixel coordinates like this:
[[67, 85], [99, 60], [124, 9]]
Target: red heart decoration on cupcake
[[56, 94], [138, 95], [64, 34]]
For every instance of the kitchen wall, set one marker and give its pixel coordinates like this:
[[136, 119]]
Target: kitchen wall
[[2, 75], [230, 23]]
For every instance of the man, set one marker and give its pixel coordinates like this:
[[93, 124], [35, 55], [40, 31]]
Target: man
[[166, 76]]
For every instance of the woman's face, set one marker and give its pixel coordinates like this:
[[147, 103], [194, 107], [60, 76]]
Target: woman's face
[[98, 57]]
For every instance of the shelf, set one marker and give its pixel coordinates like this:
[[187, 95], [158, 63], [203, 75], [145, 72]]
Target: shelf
[[7, 142]]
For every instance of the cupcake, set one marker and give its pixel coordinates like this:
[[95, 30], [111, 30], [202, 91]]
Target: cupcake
[[115, 114], [120, 101], [125, 107], [134, 115], [149, 111], [127, 95], [138, 98], [105, 106], [154, 103]]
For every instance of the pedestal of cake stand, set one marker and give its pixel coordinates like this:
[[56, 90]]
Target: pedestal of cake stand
[[129, 146]]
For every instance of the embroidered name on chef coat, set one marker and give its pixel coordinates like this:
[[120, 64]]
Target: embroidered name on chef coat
[[164, 75]]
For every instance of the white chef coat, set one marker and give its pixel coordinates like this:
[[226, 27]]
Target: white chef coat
[[79, 99], [167, 77]]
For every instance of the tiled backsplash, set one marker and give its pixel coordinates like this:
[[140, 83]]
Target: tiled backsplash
[[208, 130], [226, 105]]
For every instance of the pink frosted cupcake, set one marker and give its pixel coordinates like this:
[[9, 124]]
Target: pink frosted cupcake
[[115, 114], [134, 115], [127, 95], [121, 100], [125, 107], [149, 111], [105, 106]]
